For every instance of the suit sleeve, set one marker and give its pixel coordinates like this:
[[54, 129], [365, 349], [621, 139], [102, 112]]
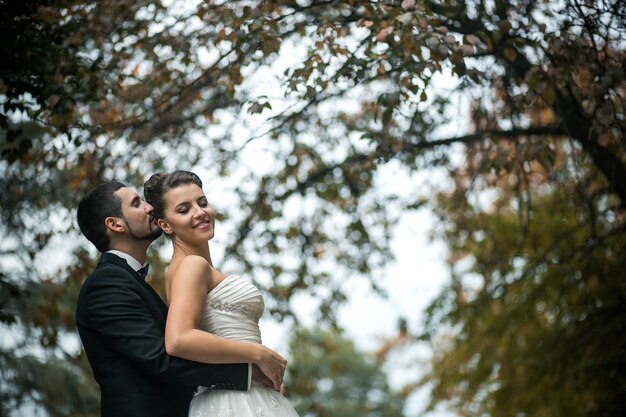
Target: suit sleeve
[[118, 311]]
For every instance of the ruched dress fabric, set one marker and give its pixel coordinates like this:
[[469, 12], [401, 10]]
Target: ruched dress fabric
[[232, 310]]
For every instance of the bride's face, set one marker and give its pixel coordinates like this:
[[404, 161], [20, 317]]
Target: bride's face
[[188, 215]]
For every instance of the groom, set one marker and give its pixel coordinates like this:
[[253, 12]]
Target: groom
[[121, 319]]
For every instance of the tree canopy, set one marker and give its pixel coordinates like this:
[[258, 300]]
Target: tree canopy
[[532, 321], [302, 104]]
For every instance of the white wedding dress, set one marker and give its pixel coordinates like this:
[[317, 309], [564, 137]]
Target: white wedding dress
[[232, 310]]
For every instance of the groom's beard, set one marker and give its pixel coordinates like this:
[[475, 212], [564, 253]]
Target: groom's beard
[[150, 236]]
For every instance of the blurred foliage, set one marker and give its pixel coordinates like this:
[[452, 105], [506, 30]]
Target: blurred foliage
[[533, 320], [327, 376], [92, 91]]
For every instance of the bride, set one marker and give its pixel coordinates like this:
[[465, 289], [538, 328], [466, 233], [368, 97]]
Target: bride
[[206, 307]]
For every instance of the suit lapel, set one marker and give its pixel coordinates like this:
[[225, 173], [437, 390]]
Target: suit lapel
[[158, 301], [151, 295]]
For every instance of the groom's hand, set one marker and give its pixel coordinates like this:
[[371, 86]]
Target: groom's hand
[[272, 365], [259, 376]]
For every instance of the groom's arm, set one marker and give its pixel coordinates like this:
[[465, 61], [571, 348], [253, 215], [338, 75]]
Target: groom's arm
[[118, 311]]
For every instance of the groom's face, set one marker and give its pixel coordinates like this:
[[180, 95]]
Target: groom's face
[[137, 215]]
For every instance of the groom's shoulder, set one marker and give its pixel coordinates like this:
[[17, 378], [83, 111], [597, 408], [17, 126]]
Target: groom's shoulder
[[110, 270], [104, 281], [106, 271]]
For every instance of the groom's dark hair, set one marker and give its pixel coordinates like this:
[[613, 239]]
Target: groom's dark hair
[[94, 207]]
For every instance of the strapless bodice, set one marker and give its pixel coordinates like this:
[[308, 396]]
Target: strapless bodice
[[232, 310]]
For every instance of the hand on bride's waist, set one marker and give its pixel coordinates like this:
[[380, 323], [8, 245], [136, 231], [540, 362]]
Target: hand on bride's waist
[[269, 368]]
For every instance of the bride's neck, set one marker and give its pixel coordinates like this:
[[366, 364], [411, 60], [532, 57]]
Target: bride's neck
[[185, 249]]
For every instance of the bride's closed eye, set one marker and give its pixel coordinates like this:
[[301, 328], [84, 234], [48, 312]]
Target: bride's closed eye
[[182, 209]]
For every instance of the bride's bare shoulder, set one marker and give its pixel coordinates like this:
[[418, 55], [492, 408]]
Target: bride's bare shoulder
[[190, 266], [194, 261], [194, 268]]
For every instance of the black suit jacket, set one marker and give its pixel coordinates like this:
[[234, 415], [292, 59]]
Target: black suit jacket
[[121, 322]]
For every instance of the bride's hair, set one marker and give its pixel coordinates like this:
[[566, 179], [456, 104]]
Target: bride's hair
[[158, 184]]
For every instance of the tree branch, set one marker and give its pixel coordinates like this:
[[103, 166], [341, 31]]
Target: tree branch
[[554, 129]]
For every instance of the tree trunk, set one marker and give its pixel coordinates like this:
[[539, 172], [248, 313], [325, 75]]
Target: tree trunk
[[579, 128]]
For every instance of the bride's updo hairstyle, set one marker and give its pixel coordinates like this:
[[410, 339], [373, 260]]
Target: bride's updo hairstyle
[[160, 183]]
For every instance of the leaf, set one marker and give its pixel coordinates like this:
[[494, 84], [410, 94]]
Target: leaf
[[53, 100], [471, 39], [449, 39], [432, 42], [510, 54], [405, 18], [549, 95], [383, 33], [467, 50], [408, 4]]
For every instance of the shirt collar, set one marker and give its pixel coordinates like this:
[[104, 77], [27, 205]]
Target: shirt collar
[[132, 262]]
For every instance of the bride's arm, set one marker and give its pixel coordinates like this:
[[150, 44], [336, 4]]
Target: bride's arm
[[183, 338]]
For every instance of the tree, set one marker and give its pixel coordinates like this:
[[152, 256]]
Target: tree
[[328, 376], [121, 89], [533, 320]]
